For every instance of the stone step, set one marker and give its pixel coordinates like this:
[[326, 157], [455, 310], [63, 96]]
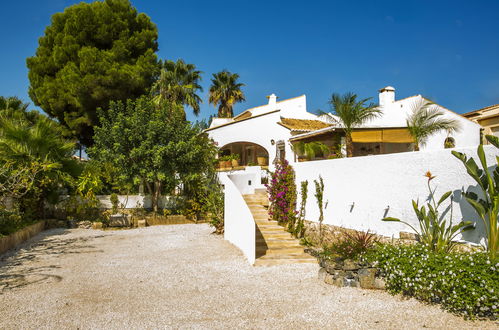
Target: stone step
[[277, 243], [276, 235], [279, 251], [271, 227], [274, 262], [265, 222]]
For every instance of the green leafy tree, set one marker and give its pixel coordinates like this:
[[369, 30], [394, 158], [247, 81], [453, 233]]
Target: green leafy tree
[[152, 145], [90, 54], [351, 113], [225, 91], [178, 83], [426, 120]]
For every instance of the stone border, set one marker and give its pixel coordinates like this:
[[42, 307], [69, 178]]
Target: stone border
[[13, 240], [342, 273]]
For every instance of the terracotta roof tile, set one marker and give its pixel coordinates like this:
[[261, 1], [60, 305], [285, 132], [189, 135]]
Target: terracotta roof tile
[[303, 124]]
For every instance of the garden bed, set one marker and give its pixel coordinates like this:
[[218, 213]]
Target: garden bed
[[13, 240]]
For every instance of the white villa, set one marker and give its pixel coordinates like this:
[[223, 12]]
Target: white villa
[[358, 191], [262, 134]]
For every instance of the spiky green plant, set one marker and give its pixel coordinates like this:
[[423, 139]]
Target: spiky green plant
[[352, 113], [487, 205], [225, 91], [434, 231], [427, 119]]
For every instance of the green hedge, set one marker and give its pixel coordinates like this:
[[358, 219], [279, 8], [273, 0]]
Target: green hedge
[[463, 283]]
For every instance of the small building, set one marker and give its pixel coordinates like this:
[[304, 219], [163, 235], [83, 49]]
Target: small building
[[487, 118], [264, 134]]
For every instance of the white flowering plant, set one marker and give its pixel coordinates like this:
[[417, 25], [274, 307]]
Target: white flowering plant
[[463, 283]]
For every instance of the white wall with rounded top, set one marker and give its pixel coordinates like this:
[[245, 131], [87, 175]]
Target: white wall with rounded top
[[239, 225], [360, 191]]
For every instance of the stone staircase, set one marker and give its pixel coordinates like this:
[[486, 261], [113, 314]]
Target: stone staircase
[[274, 245]]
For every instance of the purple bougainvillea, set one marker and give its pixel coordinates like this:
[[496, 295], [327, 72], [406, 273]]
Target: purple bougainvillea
[[282, 194]]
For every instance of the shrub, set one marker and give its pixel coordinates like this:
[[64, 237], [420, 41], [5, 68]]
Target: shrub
[[282, 194], [351, 245], [319, 196], [10, 221], [464, 283], [114, 202], [300, 228]]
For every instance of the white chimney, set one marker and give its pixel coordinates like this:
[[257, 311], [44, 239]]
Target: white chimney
[[272, 100], [386, 95]]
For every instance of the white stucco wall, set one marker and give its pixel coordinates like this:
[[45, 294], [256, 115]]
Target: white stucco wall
[[361, 191], [260, 130], [247, 180], [135, 201], [395, 114], [239, 225]]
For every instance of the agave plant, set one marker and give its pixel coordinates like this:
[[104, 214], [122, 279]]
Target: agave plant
[[487, 205], [434, 230]]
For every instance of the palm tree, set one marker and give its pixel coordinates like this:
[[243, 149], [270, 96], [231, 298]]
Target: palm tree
[[351, 113], [225, 91], [178, 83], [426, 120]]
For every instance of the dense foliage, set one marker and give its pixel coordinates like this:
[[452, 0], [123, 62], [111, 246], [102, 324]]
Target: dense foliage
[[282, 194], [35, 163], [92, 53], [153, 145], [467, 284]]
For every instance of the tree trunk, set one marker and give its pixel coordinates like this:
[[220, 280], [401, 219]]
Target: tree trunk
[[416, 147], [349, 145]]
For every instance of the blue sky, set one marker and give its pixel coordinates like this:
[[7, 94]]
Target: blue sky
[[445, 50]]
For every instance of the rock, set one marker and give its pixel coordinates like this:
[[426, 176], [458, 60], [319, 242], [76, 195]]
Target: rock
[[84, 224], [329, 279], [351, 282], [367, 277], [118, 220], [141, 223], [97, 225], [322, 274], [379, 283], [349, 264], [406, 235]]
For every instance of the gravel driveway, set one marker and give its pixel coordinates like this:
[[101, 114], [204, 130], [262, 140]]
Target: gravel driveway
[[182, 276]]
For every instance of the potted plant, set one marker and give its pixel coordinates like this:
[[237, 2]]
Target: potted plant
[[262, 160], [234, 160]]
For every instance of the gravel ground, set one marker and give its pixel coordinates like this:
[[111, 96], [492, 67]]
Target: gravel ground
[[182, 276]]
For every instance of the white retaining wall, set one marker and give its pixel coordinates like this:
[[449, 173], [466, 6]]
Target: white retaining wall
[[360, 191], [132, 201], [247, 180], [239, 226]]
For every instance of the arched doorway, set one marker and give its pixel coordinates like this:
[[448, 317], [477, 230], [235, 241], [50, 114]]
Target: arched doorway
[[250, 154]]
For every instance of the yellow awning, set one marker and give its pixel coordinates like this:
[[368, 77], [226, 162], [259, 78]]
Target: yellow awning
[[386, 135]]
